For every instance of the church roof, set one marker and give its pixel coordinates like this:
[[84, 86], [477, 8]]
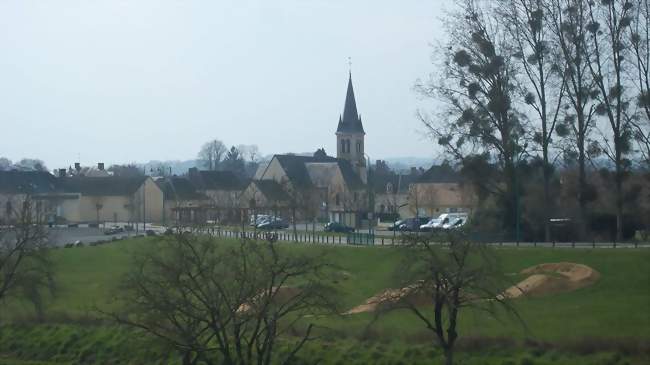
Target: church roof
[[350, 122], [296, 169]]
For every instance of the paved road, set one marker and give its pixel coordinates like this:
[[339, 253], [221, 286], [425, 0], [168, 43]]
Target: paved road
[[60, 236]]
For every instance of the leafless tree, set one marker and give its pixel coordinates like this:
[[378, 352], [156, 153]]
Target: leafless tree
[[639, 40], [211, 154], [225, 304], [542, 80], [608, 51], [26, 270], [447, 274]]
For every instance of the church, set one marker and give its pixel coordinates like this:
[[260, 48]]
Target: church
[[317, 187]]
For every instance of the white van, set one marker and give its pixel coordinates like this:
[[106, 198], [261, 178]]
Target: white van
[[442, 220]]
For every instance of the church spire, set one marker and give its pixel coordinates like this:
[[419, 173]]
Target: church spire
[[351, 122]]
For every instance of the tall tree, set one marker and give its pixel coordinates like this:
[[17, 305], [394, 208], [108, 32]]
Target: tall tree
[[234, 161], [477, 85], [608, 52], [211, 154], [639, 40], [568, 21], [542, 81]]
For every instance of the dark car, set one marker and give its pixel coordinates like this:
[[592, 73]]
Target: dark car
[[273, 223], [337, 227], [150, 232], [413, 224]]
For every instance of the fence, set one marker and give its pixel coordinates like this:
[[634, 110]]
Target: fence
[[373, 239]]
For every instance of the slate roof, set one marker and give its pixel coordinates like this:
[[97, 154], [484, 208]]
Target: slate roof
[[272, 190], [178, 188], [28, 182], [379, 182], [349, 175], [350, 122], [294, 167], [217, 180], [440, 174], [102, 186]]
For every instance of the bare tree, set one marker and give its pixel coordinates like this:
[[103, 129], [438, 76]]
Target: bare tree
[[25, 268], [607, 50], [477, 85], [568, 21], [639, 40], [211, 154], [225, 304], [445, 275], [542, 81]]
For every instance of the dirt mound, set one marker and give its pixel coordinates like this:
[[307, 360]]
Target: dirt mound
[[391, 297], [553, 278], [281, 294]]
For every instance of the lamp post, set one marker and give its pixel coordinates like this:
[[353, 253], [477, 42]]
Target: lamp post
[[371, 203]]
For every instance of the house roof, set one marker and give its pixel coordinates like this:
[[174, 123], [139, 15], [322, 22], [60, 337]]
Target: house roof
[[272, 190], [350, 122], [351, 178], [216, 180], [102, 186], [27, 182], [440, 174], [294, 167], [178, 188], [380, 182]]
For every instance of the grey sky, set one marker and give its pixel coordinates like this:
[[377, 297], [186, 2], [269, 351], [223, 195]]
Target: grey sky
[[119, 81]]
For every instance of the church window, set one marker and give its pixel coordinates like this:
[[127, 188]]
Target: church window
[[342, 146], [358, 147], [338, 199], [8, 208]]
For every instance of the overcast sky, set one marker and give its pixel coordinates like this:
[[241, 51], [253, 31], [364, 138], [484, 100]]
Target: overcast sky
[[120, 81]]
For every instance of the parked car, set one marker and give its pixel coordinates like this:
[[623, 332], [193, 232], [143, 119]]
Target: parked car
[[150, 232], [455, 223], [273, 223], [413, 224], [395, 226], [337, 227], [113, 230], [431, 225], [257, 219], [442, 220]]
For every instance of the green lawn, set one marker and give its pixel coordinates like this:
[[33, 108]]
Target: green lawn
[[615, 309]]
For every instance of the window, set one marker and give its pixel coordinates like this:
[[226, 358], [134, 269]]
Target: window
[[8, 208], [358, 146], [338, 199], [342, 146]]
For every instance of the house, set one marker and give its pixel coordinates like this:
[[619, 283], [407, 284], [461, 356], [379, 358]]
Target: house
[[18, 187], [318, 186], [110, 199], [439, 190], [391, 194], [223, 190], [183, 203]]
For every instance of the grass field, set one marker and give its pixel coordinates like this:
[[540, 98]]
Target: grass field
[[607, 323]]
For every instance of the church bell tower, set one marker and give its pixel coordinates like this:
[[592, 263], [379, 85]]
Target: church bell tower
[[350, 135]]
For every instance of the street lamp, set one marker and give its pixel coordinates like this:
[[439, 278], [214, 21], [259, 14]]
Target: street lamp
[[371, 203]]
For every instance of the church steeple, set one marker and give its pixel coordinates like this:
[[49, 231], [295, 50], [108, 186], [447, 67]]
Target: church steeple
[[351, 122], [350, 134]]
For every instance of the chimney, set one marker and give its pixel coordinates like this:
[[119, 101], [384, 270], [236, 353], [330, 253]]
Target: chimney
[[100, 166], [62, 172], [77, 166]]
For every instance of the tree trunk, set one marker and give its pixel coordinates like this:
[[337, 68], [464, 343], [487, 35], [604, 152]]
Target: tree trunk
[[582, 188], [449, 356], [547, 197], [619, 199]]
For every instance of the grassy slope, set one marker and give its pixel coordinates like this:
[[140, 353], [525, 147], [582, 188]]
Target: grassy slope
[[616, 307]]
